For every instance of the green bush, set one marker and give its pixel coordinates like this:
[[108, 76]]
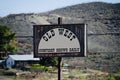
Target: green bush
[[49, 61], [7, 68], [66, 79], [71, 76], [41, 79], [9, 73], [111, 78], [81, 78], [117, 76], [38, 67]]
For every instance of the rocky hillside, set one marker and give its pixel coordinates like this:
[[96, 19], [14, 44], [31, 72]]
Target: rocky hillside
[[103, 29], [96, 10], [22, 25], [101, 18]]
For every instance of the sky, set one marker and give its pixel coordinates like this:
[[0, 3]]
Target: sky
[[37, 6]]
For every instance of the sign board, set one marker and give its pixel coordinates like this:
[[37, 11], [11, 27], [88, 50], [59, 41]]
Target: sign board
[[63, 40]]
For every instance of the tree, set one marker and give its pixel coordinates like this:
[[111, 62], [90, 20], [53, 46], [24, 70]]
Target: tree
[[7, 39]]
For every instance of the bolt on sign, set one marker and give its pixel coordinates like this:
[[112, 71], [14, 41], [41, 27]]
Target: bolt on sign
[[63, 40]]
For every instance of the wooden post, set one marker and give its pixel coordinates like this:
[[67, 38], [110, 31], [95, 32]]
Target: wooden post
[[59, 68], [59, 58]]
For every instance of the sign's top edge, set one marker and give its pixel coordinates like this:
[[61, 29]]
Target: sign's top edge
[[58, 24]]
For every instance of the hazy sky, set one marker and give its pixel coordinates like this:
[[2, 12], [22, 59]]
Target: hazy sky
[[37, 6]]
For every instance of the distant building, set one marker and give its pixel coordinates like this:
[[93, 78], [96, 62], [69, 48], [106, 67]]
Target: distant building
[[21, 60]]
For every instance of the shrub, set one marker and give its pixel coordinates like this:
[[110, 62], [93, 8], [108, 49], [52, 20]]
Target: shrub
[[117, 76], [81, 78], [41, 79], [9, 73], [111, 78], [38, 67], [71, 76], [66, 79]]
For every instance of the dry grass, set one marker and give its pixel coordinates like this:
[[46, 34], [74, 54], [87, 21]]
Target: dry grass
[[67, 74]]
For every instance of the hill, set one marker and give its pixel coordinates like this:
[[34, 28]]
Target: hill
[[103, 29], [22, 25], [102, 18]]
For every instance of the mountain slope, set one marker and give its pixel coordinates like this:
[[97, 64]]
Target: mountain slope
[[90, 10], [22, 24], [103, 23], [101, 18]]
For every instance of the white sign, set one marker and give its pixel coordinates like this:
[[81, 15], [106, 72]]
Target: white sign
[[59, 40]]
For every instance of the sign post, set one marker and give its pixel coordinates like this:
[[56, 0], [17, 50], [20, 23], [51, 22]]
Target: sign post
[[59, 58], [59, 68], [59, 40]]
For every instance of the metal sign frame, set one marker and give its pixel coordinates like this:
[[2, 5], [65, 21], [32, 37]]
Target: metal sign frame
[[78, 29]]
